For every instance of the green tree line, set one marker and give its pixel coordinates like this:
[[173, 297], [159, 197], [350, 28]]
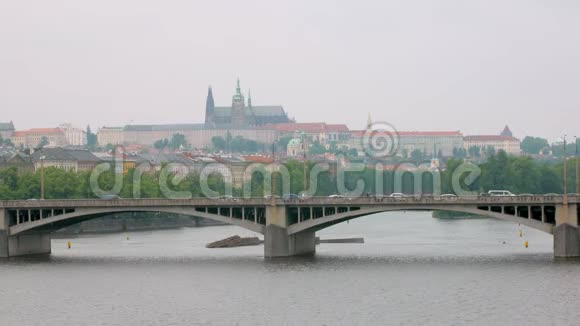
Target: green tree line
[[500, 172]]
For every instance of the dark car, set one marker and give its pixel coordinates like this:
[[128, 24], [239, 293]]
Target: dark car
[[291, 196]]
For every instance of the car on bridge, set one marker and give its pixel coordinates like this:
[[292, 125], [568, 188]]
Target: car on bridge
[[227, 197], [398, 195], [499, 193], [291, 197]]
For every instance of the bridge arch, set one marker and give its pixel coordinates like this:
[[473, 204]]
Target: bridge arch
[[58, 222], [331, 220]]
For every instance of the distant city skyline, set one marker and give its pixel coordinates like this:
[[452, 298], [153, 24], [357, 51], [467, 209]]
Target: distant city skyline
[[445, 65]]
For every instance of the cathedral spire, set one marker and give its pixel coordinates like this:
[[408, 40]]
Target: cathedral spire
[[209, 106], [238, 97], [249, 98], [369, 122]]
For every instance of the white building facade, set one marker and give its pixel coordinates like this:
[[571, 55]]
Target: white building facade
[[74, 136]]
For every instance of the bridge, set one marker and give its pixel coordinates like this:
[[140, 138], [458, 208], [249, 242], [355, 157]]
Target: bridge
[[288, 226]]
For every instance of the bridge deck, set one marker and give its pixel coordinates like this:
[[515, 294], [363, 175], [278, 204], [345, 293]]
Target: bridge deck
[[424, 200]]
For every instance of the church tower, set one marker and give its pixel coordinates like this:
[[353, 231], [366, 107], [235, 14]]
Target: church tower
[[209, 109], [506, 132], [369, 123], [238, 108]]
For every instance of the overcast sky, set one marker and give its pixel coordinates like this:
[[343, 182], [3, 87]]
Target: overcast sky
[[462, 65]]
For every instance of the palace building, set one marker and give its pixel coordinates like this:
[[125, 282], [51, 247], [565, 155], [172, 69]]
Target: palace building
[[504, 141], [242, 114]]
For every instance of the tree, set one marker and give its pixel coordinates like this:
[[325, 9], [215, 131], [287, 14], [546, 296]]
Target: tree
[[550, 180], [91, 138], [9, 178], [489, 151], [533, 145], [242, 145], [283, 142], [459, 153], [110, 148], [177, 141], [474, 151], [417, 156], [43, 142], [316, 149], [558, 150], [161, 144], [546, 151], [219, 143], [228, 142]]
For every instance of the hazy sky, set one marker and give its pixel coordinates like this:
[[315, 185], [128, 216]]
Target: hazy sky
[[438, 65]]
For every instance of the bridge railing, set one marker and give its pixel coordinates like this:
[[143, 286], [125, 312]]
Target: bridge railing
[[369, 199]]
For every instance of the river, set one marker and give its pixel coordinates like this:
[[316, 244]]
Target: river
[[412, 270]]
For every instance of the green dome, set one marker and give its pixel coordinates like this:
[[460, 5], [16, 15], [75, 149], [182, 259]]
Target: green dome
[[295, 142]]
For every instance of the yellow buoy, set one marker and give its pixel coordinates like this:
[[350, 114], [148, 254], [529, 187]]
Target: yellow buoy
[[526, 244], [521, 233], [69, 244]]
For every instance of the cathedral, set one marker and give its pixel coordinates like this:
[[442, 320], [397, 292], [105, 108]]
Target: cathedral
[[241, 114]]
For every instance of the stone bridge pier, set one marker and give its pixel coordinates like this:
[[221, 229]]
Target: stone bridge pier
[[566, 231], [277, 241], [32, 243]]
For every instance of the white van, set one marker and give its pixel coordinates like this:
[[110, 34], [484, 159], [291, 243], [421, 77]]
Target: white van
[[499, 193]]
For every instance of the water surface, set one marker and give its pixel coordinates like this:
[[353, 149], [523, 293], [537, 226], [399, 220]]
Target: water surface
[[412, 270]]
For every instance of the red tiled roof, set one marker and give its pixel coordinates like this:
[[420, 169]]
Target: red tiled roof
[[43, 131], [360, 133], [489, 138], [305, 127], [258, 159], [337, 128], [309, 127]]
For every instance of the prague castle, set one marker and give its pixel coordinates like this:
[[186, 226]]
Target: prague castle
[[240, 114]]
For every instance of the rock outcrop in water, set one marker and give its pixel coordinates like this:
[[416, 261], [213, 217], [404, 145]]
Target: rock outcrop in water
[[235, 241]]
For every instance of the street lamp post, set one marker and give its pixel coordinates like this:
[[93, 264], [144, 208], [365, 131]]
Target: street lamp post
[[305, 148], [565, 174], [42, 158], [577, 168], [275, 167]]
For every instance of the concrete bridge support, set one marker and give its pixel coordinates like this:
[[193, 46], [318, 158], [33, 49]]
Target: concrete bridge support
[[566, 232], [277, 241], [23, 244]]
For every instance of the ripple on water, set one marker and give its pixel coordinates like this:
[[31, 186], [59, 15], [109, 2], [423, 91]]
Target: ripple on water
[[413, 270]]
